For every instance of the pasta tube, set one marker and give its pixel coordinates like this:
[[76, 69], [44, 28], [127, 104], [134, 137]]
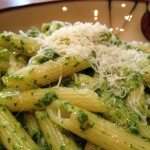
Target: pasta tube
[[26, 100], [16, 62], [31, 124], [4, 59], [137, 102], [83, 98], [33, 129], [146, 74], [144, 130], [144, 47], [55, 135], [93, 128], [39, 75], [37, 99], [12, 135], [20, 43], [85, 81]]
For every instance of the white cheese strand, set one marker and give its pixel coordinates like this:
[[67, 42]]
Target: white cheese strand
[[77, 39], [109, 62]]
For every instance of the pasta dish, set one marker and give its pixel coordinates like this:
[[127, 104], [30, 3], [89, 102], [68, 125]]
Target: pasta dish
[[74, 86]]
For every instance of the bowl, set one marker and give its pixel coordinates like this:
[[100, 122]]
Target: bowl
[[124, 18]]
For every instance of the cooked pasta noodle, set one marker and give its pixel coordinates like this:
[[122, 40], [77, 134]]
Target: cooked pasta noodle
[[77, 85]]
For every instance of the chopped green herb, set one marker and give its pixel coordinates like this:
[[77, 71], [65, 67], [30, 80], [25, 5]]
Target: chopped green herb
[[37, 136], [47, 54], [15, 77], [15, 104], [76, 64], [33, 32], [24, 138], [132, 127], [62, 147], [35, 81], [45, 76], [6, 37], [67, 82], [65, 132], [46, 100], [9, 140], [84, 122]]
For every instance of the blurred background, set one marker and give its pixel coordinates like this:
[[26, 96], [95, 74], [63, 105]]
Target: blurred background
[[129, 19]]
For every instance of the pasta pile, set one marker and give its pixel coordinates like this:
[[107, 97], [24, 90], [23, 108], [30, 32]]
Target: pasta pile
[[73, 87]]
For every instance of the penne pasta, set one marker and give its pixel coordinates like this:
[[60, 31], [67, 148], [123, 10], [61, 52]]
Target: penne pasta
[[4, 60], [137, 102], [85, 81], [32, 127], [39, 75], [20, 43], [12, 134], [16, 62], [83, 98], [55, 135], [144, 130], [37, 99], [93, 128]]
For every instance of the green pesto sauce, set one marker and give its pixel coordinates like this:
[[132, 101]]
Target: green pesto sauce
[[5, 54], [44, 116], [47, 54], [3, 107], [37, 136], [14, 45], [132, 126], [68, 57], [45, 27], [6, 37], [45, 76], [15, 104], [24, 138], [45, 146], [76, 64], [16, 77], [15, 147], [32, 93], [83, 120], [65, 132], [46, 100], [62, 147], [33, 32], [36, 83], [31, 70], [9, 140], [67, 82], [66, 106]]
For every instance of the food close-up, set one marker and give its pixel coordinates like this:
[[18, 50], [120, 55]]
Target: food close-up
[[74, 86]]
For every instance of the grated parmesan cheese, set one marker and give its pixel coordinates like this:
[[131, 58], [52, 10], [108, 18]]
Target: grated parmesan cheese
[[83, 39], [78, 39], [109, 61]]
